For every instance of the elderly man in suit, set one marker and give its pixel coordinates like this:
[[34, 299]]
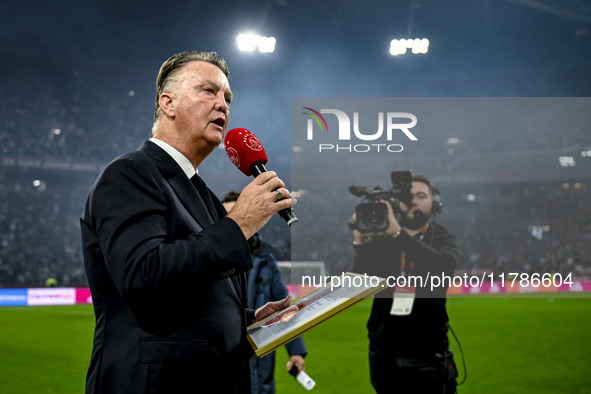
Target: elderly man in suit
[[165, 262]]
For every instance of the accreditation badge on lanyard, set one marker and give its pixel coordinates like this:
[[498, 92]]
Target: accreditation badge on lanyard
[[404, 296]]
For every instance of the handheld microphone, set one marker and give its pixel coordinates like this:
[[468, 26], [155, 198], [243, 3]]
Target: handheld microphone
[[247, 153]]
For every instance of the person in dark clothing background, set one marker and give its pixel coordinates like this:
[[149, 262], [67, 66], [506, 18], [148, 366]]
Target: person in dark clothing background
[[264, 285]]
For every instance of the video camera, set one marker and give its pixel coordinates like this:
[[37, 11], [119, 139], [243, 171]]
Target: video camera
[[372, 215]]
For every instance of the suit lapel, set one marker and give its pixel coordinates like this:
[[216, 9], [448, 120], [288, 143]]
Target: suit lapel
[[191, 200], [179, 182]]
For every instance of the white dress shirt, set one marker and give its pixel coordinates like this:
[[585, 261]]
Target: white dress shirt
[[180, 159]]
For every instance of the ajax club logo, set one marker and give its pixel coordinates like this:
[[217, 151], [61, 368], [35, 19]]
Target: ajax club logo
[[233, 155], [395, 124], [252, 142]]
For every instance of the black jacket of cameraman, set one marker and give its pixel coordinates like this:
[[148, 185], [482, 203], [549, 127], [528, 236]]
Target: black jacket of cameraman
[[423, 333]]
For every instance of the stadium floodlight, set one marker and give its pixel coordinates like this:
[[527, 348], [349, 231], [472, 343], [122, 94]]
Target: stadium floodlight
[[567, 161], [267, 44], [399, 47], [249, 42]]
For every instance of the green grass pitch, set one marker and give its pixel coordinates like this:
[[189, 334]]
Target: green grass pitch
[[511, 345]]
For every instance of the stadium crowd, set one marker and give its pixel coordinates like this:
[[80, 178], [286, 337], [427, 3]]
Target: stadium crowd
[[79, 118], [538, 228], [39, 235]]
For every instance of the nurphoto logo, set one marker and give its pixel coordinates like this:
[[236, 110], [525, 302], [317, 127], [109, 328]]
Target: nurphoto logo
[[344, 133]]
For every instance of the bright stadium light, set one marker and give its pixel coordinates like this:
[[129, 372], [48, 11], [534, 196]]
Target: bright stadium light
[[567, 161], [246, 42], [399, 47], [267, 44], [249, 42]]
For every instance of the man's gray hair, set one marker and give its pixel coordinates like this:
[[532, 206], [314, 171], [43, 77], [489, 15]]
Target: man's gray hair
[[171, 67]]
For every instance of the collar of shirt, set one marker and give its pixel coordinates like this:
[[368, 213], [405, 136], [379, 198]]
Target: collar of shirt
[[180, 159]]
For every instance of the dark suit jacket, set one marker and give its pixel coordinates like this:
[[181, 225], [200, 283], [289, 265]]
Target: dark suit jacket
[[168, 284]]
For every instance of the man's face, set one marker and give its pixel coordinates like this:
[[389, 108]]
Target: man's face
[[202, 108], [422, 200]]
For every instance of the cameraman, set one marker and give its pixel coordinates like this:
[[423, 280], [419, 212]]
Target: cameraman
[[408, 346]]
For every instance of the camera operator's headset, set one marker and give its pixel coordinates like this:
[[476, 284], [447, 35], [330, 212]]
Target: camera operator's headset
[[437, 208], [437, 205]]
